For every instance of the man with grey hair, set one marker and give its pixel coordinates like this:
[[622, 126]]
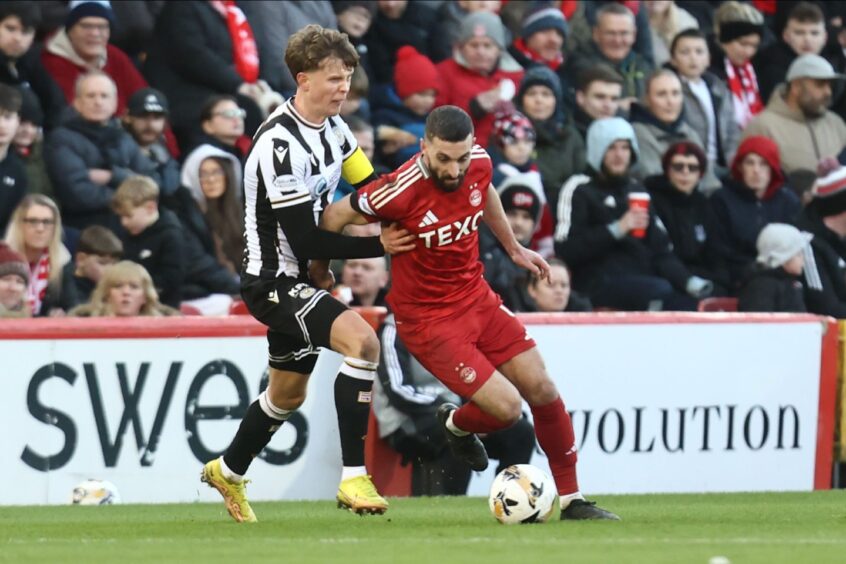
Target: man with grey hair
[[90, 155], [797, 117], [612, 42]]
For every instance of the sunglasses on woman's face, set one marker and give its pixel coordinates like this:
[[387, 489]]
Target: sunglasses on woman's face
[[682, 167]]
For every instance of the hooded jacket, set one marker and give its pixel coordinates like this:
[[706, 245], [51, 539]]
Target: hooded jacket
[[736, 216], [591, 204], [655, 137], [825, 266], [505, 277], [802, 141], [559, 149]]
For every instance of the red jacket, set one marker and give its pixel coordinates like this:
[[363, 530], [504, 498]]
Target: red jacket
[[459, 85]]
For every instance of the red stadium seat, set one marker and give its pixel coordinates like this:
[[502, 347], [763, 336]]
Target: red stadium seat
[[188, 309], [718, 304], [238, 307]]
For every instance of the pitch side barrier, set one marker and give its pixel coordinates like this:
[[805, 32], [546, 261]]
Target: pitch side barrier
[[661, 402]]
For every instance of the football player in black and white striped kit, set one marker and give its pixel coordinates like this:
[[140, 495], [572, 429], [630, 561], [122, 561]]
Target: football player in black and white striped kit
[[297, 158]]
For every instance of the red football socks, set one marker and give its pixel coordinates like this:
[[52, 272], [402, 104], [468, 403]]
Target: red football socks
[[470, 417], [554, 431]]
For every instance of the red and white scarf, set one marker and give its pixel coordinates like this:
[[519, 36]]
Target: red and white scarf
[[743, 84], [245, 53], [39, 277]]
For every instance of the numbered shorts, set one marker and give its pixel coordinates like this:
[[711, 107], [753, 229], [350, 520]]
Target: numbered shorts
[[464, 349], [299, 318]]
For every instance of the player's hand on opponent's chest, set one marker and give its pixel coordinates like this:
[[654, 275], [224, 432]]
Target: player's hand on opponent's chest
[[395, 239]]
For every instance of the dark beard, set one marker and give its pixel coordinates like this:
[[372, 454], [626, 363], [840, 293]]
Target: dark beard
[[442, 186]]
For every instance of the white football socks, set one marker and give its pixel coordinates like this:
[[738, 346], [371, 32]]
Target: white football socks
[[564, 500], [452, 428], [229, 474], [353, 472]]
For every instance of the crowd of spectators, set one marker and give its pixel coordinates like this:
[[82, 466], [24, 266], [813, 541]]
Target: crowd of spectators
[[123, 129]]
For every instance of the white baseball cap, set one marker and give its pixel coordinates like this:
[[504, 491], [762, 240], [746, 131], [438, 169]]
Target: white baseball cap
[[812, 66]]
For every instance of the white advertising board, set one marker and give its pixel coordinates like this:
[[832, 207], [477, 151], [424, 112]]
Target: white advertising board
[[656, 408]]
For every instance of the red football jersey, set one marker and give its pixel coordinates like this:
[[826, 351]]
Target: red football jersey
[[443, 272]]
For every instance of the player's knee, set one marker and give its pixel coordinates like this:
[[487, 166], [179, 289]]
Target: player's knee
[[367, 346], [510, 408], [541, 392], [284, 397]]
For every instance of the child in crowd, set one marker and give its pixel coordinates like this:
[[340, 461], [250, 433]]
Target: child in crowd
[[774, 283], [125, 290], [155, 237], [98, 248], [401, 115], [13, 184], [14, 279]]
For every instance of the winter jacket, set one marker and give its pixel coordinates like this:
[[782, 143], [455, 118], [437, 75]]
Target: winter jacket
[[38, 181], [385, 36], [460, 86], [771, 64], [728, 133], [825, 267], [78, 146], [65, 66], [13, 187], [736, 217], [684, 216], [28, 72], [655, 137], [585, 240], [802, 141], [160, 249], [771, 290], [191, 59], [634, 69], [388, 109]]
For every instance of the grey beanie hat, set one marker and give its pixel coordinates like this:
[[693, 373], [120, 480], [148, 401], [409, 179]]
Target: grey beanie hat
[[779, 242]]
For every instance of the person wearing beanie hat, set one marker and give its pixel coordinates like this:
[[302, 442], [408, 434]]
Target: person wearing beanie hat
[[754, 196], [513, 145], [481, 77], [559, 148], [620, 254], [400, 117], [683, 210], [825, 269], [541, 39], [797, 117], [354, 16], [14, 278], [82, 45], [773, 285]]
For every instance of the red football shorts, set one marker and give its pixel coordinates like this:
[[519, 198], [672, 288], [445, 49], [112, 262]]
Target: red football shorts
[[463, 350]]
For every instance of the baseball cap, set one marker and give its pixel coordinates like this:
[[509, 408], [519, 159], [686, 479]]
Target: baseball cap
[[147, 101], [812, 66]]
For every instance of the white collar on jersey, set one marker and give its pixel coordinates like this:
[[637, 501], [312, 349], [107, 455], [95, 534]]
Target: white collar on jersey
[[422, 166], [298, 116]]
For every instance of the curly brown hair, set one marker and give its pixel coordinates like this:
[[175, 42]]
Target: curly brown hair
[[312, 45]]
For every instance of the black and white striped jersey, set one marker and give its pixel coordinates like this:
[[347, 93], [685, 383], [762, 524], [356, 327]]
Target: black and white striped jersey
[[292, 162]]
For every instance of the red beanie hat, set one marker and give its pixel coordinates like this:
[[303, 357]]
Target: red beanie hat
[[12, 262], [414, 72]]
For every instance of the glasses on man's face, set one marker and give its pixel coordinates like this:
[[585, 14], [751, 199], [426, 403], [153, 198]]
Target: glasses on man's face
[[231, 113], [35, 222], [682, 167], [93, 27]]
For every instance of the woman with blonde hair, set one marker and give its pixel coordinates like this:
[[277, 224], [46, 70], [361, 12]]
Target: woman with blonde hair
[[666, 20], [35, 231], [125, 290]]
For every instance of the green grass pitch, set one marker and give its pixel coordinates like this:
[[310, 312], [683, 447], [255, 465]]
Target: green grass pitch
[[769, 528]]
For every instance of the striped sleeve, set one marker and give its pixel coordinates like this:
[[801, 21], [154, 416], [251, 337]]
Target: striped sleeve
[[281, 167]]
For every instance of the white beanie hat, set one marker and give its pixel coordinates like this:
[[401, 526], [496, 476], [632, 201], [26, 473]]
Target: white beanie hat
[[780, 242]]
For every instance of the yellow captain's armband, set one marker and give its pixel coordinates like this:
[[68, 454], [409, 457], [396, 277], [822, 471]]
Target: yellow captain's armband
[[357, 167]]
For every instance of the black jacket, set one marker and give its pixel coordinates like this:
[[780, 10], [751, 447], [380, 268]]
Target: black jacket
[[503, 276], [588, 246], [65, 297], [161, 250], [386, 36], [736, 217], [685, 218], [13, 187], [771, 290], [771, 66], [28, 72], [825, 270]]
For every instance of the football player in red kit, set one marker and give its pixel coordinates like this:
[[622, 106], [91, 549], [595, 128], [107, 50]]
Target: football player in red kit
[[448, 316]]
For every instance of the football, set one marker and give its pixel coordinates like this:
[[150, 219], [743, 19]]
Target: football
[[522, 493], [95, 492]]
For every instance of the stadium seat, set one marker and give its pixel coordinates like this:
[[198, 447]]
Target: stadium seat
[[238, 307], [718, 304], [188, 309]]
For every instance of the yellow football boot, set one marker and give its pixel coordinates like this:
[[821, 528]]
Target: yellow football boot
[[359, 495], [234, 494]]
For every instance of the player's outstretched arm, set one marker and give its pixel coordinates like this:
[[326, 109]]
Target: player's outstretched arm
[[496, 219], [339, 214]]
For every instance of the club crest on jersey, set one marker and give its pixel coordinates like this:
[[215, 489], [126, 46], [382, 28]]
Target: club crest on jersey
[[451, 232], [475, 198], [339, 136]]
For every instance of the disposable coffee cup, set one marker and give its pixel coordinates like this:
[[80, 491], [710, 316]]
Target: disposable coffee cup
[[639, 200]]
